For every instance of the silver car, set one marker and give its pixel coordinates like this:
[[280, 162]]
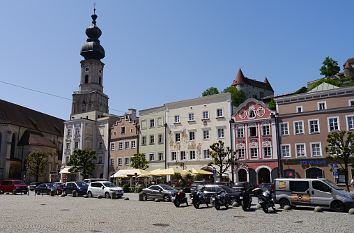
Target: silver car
[[160, 191], [104, 188]]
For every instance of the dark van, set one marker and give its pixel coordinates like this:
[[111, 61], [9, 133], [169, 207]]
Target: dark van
[[13, 186]]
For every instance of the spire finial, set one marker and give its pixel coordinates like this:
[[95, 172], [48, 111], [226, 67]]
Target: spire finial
[[94, 8], [94, 16]]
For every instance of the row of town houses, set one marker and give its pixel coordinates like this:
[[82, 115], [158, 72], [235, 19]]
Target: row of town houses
[[288, 141]]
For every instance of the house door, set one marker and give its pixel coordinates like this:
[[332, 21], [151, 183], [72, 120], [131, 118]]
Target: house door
[[242, 175], [263, 176]]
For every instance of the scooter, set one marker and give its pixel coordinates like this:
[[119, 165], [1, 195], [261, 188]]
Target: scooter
[[198, 198], [220, 199], [179, 198], [246, 199]]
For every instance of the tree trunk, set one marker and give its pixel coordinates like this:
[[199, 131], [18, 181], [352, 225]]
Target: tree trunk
[[220, 177], [346, 176]]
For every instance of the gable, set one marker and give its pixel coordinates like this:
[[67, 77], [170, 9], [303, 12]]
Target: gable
[[252, 110]]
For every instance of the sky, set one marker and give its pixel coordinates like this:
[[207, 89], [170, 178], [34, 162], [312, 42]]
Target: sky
[[160, 51]]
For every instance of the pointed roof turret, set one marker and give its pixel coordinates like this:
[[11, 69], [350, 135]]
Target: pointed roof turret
[[266, 80], [240, 78], [267, 83], [346, 65]]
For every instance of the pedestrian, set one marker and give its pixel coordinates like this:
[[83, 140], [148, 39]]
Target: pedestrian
[[352, 182]]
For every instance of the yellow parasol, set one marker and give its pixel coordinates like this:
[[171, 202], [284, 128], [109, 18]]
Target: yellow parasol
[[196, 171]]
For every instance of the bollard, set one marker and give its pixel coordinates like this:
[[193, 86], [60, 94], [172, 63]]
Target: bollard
[[74, 193], [52, 193], [141, 196]]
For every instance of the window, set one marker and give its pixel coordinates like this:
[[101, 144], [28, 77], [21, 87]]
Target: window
[[314, 172], [205, 134], [219, 112], [122, 130], [67, 158], [298, 127], [152, 139], [220, 133], [298, 109], [173, 156], [321, 105], [100, 159], [191, 154], [76, 145], [160, 156], [159, 139], [132, 144], [253, 131], [114, 133], [100, 145], [299, 186], [151, 156], [241, 153], [313, 126], [177, 137], [86, 78], [143, 124], [191, 136], [320, 186], [267, 152], [100, 80], [112, 145], [265, 130], [120, 146], [68, 146], [87, 68], [285, 150], [177, 119], [111, 162], [69, 132], [300, 150], [351, 103], [126, 145], [240, 132], [191, 116], [152, 123], [316, 149], [284, 128], [254, 152], [126, 161], [77, 132], [183, 155], [333, 124], [251, 113], [206, 154], [143, 140], [350, 122], [205, 115], [289, 173], [119, 162]]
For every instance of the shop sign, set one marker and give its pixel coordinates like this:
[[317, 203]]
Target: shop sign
[[312, 162]]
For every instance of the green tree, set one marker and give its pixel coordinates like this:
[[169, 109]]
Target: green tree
[[340, 150], [36, 164], [330, 67], [237, 96], [210, 91], [138, 161], [271, 104], [222, 157], [82, 161]]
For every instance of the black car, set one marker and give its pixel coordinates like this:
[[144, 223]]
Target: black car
[[241, 186], [233, 195], [45, 188], [33, 185], [79, 187]]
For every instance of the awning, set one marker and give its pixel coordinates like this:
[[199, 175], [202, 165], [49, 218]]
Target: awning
[[65, 170], [196, 171]]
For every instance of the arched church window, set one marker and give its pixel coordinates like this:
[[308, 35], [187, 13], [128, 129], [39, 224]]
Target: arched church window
[[86, 78]]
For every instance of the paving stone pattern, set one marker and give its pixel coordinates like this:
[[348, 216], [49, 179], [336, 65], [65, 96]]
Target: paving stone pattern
[[22, 213]]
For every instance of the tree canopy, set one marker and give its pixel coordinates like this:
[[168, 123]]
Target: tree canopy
[[222, 157], [330, 67], [82, 161], [237, 96], [36, 164], [138, 161], [210, 91], [340, 151]]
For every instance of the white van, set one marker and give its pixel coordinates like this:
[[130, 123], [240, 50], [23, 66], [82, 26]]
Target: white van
[[311, 192], [104, 188]]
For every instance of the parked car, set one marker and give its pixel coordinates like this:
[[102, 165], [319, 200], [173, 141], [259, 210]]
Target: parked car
[[161, 191], [266, 187], [45, 188], [104, 188], [233, 195], [59, 187], [79, 186], [241, 186], [14, 186], [312, 192], [88, 181], [33, 185]]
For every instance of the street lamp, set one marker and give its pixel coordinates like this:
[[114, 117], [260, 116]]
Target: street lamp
[[232, 156]]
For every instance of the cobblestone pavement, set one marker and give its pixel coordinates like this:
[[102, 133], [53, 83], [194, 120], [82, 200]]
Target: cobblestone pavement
[[22, 213]]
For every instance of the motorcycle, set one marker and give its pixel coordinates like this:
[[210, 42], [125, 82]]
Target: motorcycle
[[199, 197], [246, 199], [265, 199], [179, 198], [220, 199]]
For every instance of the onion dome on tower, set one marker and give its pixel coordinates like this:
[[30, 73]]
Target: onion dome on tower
[[92, 48]]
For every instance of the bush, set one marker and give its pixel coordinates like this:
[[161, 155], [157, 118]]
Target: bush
[[126, 188], [140, 188]]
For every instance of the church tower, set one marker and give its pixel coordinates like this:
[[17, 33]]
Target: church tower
[[90, 101]]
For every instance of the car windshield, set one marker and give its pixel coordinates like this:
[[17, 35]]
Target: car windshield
[[227, 189], [81, 184], [239, 184], [109, 184], [50, 186], [19, 182], [330, 184], [166, 187]]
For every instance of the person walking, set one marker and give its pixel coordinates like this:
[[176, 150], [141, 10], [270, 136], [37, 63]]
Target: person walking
[[352, 182]]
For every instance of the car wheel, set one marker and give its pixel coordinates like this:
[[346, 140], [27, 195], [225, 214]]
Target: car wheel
[[107, 195], [338, 206], [145, 197], [89, 194], [283, 202], [166, 198]]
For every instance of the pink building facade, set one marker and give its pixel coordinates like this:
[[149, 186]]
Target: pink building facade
[[255, 142]]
